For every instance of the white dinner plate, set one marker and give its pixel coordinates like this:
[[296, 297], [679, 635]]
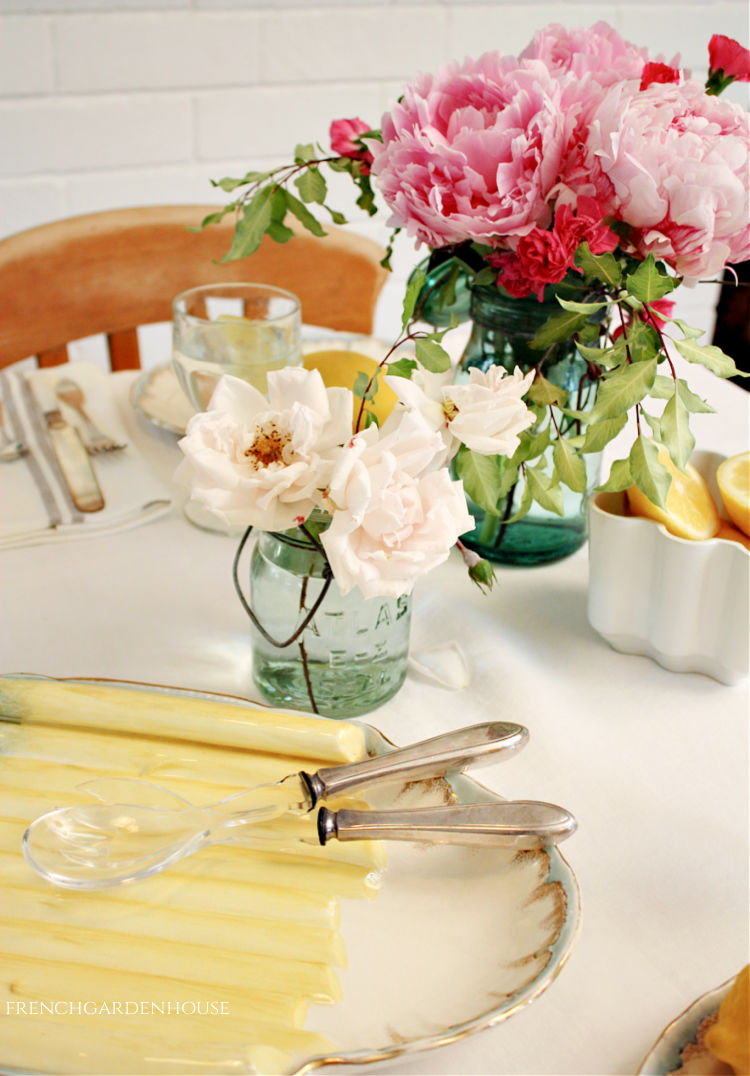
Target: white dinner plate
[[457, 939], [664, 1055]]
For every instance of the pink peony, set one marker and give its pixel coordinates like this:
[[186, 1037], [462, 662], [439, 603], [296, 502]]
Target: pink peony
[[676, 160], [473, 152], [727, 55], [344, 136], [596, 53]]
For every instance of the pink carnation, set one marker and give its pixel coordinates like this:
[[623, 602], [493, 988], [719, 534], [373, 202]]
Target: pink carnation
[[676, 161], [473, 152]]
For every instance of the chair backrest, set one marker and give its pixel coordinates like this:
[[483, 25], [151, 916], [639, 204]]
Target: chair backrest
[[114, 271]]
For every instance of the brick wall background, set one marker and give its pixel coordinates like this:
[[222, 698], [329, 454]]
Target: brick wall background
[[108, 103]]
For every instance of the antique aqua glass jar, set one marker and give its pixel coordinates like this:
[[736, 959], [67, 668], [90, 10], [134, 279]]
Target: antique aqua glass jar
[[502, 330], [344, 655]]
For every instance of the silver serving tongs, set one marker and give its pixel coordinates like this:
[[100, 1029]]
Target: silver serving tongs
[[100, 845]]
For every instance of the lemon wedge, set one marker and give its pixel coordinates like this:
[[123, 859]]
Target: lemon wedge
[[732, 534], [690, 511], [729, 1037], [733, 478], [339, 368]]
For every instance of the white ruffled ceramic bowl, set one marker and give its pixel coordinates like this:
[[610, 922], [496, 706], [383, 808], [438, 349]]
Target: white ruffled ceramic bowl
[[682, 603]]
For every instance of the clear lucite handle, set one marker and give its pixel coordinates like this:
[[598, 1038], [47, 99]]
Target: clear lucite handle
[[447, 753], [517, 824]]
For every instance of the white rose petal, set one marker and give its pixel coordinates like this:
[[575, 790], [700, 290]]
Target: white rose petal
[[263, 462], [393, 518]]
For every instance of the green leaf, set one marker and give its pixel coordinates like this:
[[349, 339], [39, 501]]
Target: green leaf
[[531, 443], [608, 357], [432, 356], [371, 419], [604, 267], [481, 476], [675, 431], [311, 186], [580, 308], [362, 388], [414, 286], [557, 327], [304, 216], [527, 500], [654, 424], [687, 331], [569, 466], [277, 229], [588, 333], [401, 368], [651, 477], [252, 226], [304, 152], [545, 490], [620, 477], [545, 393], [213, 218], [622, 389], [694, 403], [648, 283], [713, 358], [485, 276], [336, 217], [230, 184], [599, 434], [642, 341]]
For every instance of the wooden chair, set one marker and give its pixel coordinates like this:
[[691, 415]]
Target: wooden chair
[[114, 271]]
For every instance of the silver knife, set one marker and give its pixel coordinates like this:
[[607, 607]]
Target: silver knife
[[74, 463]]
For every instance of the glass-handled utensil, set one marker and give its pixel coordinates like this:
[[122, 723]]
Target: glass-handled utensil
[[101, 845]]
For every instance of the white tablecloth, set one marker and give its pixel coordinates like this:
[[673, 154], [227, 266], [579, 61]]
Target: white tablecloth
[[653, 764]]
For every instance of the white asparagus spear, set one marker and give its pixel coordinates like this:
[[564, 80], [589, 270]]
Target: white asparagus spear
[[141, 756], [306, 907], [180, 960], [65, 908], [151, 713], [44, 980], [61, 1049], [250, 866]]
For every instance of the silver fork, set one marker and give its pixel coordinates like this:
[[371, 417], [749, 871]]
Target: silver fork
[[9, 449], [96, 441]]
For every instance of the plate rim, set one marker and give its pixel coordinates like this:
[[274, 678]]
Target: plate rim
[[685, 1024]]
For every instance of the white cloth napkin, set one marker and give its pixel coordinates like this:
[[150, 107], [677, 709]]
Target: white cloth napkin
[[35, 504]]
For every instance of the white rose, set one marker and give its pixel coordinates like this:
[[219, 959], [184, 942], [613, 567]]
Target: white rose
[[486, 414], [394, 517], [263, 462]]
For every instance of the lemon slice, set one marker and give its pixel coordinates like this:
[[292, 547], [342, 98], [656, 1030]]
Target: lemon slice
[[732, 534], [729, 1037], [690, 511], [339, 368], [733, 478]]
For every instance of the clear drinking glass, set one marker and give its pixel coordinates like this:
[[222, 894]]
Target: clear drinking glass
[[242, 329]]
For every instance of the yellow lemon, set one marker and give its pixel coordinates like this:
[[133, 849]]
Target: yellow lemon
[[733, 478], [729, 1037], [690, 511], [339, 368], [731, 534]]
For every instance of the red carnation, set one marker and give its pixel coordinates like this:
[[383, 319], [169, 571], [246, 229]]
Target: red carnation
[[728, 56], [657, 72]]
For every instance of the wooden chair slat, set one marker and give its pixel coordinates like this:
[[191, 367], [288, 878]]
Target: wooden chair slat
[[124, 350]]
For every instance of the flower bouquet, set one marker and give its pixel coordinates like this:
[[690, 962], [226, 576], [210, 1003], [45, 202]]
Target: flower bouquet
[[582, 171]]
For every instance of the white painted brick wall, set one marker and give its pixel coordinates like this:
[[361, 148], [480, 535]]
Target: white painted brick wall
[[108, 103]]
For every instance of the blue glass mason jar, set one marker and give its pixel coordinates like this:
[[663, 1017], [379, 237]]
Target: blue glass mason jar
[[351, 653], [503, 328]]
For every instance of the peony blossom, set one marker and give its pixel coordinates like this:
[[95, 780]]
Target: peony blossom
[[262, 462], [729, 57], [486, 414], [473, 152], [393, 517], [676, 160], [344, 136], [597, 53]]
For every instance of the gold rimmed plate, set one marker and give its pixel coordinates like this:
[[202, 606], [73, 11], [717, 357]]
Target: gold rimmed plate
[[664, 1055], [457, 939]]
